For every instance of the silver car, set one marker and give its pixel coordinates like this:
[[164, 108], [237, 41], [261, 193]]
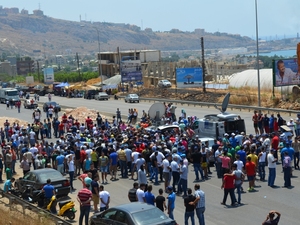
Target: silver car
[[101, 96], [164, 84], [132, 98]]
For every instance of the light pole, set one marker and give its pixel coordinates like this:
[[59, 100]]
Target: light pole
[[99, 58], [257, 54]]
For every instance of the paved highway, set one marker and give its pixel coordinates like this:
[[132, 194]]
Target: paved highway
[[256, 205]]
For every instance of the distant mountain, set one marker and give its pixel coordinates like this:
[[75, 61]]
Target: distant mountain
[[24, 34]]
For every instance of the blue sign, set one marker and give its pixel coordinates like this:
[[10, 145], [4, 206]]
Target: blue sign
[[48, 75], [131, 70], [189, 77]]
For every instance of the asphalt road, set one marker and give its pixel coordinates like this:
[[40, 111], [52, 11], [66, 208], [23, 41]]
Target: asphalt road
[[256, 205]]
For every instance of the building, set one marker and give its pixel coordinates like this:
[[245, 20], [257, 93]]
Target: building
[[25, 67], [110, 61], [24, 12], [7, 68], [38, 12]]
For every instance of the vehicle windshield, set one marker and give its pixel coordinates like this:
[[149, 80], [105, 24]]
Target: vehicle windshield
[[151, 216], [133, 95], [52, 175], [52, 103], [12, 93]]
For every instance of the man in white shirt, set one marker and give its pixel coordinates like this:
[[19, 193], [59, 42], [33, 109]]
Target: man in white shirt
[[140, 194], [166, 169], [284, 76], [272, 168], [104, 199]]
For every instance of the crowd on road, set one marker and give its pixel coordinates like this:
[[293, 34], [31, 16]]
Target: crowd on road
[[94, 151]]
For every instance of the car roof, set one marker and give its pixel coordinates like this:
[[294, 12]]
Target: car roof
[[40, 171], [50, 103], [134, 207], [167, 126]]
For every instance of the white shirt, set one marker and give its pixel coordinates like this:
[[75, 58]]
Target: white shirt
[[174, 166], [159, 158], [166, 165], [239, 164], [262, 158], [142, 178], [271, 158], [32, 135], [88, 152], [267, 144], [140, 194], [50, 111], [71, 166], [104, 195], [287, 77], [135, 156], [33, 150]]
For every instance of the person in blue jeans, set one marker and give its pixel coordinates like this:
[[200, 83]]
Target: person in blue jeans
[[189, 209], [199, 204], [272, 168], [154, 169], [84, 197], [171, 202], [238, 181]]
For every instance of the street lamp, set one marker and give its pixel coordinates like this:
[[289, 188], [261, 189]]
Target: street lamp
[[257, 54], [99, 58]]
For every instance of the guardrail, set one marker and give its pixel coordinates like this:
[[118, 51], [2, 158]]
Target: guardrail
[[26, 205], [231, 106]]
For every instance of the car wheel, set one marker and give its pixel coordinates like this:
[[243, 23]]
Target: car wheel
[[137, 101], [125, 100]]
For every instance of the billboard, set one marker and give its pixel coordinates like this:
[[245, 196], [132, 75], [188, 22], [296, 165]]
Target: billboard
[[285, 72], [131, 70], [48, 75], [189, 77]]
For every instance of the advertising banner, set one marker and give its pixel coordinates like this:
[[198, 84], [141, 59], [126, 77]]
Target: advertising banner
[[189, 77], [285, 72], [131, 70], [48, 75]]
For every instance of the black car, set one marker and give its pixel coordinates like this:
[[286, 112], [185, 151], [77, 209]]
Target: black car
[[53, 104], [131, 214], [90, 94], [38, 178]]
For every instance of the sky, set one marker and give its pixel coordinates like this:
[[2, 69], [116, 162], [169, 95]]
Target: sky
[[276, 18]]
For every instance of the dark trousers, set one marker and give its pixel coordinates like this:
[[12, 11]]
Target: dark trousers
[[182, 186], [261, 169], [287, 176], [160, 170], [231, 192], [175, 176], [296, 160], [84, 212], [71, 174]]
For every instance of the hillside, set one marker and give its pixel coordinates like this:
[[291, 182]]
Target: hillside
[[21, 34]]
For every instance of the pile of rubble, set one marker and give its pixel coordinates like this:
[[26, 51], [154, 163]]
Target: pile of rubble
[[12, 120], [81, 113]]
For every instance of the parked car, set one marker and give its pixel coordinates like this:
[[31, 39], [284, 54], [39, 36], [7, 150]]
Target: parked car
[[30, 104], [131, 214], [38, 178], [53, 104], [101, 96], [164, 84], [90, 94], [132, 98]]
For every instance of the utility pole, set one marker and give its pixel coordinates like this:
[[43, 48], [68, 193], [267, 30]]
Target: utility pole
[[78, 68], [38, 70], [203, 64]]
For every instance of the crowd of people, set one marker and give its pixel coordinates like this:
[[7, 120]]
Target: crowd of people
[[94, 151]]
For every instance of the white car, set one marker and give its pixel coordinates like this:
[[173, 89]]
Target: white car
[[132, 98], [164, 84]]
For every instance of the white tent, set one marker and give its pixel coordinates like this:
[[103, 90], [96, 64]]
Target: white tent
[[249, 78], [115, 80]]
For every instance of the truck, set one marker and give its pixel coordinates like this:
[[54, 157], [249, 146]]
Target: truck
[[216, 125], [8, 94]]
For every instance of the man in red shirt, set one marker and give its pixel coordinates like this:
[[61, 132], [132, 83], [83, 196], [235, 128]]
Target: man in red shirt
[[61, 127], [64, 120], [275, 143], [88, 122], [251, 172], [228, 185], [84, 197]]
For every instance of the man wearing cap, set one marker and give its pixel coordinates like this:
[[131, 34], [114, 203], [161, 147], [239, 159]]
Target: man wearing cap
[[291, 125]]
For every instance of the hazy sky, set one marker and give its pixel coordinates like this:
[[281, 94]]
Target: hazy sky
[[275, 17]]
